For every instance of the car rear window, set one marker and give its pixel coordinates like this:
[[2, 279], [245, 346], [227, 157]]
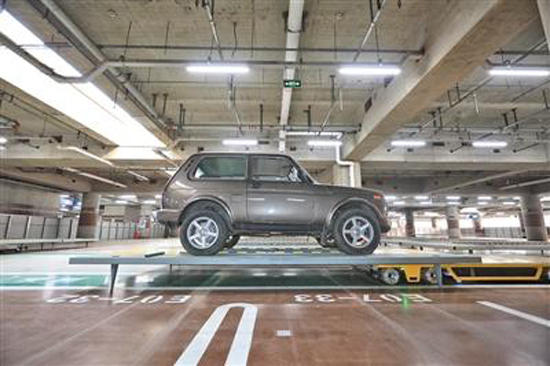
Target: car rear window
[[221, 167]]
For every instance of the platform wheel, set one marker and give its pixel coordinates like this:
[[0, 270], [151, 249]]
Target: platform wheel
[[390, 276], [429, 276]]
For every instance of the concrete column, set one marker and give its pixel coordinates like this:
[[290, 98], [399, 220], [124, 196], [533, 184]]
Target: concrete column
[[409, 223], [88, 224], [478, 228], [342, 175], [544, 10], [453, 222], [533, 218]]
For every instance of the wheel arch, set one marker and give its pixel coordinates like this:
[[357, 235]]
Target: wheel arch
[[349, 204], [208, 202]]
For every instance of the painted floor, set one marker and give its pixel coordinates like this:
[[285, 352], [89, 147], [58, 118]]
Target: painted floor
[[55, 314]]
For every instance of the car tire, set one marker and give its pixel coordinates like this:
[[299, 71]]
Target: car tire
[[203, 232], [356, 232], [232, 241]]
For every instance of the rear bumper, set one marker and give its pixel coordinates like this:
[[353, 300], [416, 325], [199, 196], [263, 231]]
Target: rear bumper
[[166, 216]]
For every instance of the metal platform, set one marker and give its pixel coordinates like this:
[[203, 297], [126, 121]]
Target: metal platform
[[286, 261], [469, 246]]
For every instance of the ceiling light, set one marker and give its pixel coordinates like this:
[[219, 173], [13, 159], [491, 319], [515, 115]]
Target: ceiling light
[[426, 202], [158, 196], [95, 177], [313, 133], [149, 202], [509, 203], [3, 140], [398, 203], [240, 142], [138, 176], [128, 197], [371, 70], [453, 203], [84, 103], [509, 71], [489, 144], [421, 198], [2, 148], [390, 198], [121, 202], [218, 69], [483, 203], [86, 153], [324, 143], [469, 210], [453, 198], [484, 198], [545, 199], [408, 143]]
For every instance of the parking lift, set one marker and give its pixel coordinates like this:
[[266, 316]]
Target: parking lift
[[435, 261]]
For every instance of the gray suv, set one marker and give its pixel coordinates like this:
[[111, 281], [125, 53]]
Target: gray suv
[[214, 198]]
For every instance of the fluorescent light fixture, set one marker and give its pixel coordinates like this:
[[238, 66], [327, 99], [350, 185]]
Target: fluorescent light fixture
[[453, 198], [516, 198], [369, 70], [421, 198], [312, 133], [121, 202], [519, 72], [95, 177], [489, 144], [158, 196], [138, 176], [218, 69], [484, 198], [408, 143], [390, 198], [483, 203], [453, 203], [509, 203], [240, 142], [149, 202], [3, 140], [85, 153], [2, 148], [545, 199], [128, 197], [324, 143], [469, 210], [398, 203], [426, 202], [85, 103]]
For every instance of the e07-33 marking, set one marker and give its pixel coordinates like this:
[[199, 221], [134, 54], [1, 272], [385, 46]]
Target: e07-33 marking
[[366, 298], [150, 299]]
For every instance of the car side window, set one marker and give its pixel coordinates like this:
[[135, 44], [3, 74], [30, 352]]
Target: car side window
[[274, 169], [221, 167]]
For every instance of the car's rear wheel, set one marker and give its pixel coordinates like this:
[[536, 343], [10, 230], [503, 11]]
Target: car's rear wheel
[[232, 241], [356, 232], [203, 232]]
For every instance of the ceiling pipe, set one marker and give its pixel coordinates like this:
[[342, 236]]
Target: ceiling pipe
[[209, 8], [477, 181], [525, 184], [75, 31], [349, 164], [293, 31], [370, 29], [94, 177]]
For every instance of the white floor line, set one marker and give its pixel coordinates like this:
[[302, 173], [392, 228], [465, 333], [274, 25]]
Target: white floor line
[[519, 314]]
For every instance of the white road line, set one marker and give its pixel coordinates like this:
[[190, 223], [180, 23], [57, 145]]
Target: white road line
[[519, 314], [238, 353]]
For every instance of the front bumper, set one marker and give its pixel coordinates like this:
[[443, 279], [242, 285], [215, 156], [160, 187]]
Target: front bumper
[[166, 216]]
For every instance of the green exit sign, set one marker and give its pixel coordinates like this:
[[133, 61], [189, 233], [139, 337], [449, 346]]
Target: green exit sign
[[293, 83]]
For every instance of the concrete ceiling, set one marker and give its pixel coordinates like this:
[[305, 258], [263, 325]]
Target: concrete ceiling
[[254, 31]]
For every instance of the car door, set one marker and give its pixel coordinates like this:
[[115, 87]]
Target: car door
[[277, 193]]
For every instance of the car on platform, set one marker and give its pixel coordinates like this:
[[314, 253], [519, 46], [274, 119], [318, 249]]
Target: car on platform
[[215, 198]]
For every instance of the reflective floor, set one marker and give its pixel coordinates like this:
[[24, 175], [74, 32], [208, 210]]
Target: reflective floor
[[55, 314]]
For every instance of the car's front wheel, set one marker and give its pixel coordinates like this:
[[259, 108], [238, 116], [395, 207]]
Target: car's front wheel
[[356, 232], [203, 232]]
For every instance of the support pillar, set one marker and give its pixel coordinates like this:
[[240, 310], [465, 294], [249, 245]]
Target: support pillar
[[410, 231], [478, 228], [348, 176], [88, 224], [453, 222], [533, 218]]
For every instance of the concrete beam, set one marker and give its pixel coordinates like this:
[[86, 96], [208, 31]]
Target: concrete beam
[[469, 31], [544, 10]]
